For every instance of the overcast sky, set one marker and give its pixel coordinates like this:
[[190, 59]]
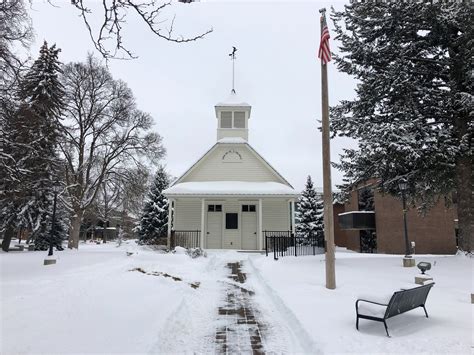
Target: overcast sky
[[277, 72]]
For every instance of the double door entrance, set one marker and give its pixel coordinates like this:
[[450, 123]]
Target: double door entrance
[[232, 227]]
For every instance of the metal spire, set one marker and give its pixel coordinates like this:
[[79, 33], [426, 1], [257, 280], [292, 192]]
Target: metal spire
[[232, 56]]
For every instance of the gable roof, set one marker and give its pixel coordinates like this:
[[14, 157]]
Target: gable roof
[[233, 141]]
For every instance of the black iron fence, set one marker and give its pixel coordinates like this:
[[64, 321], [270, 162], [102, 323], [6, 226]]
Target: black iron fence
[[285, 243], [185, 239]]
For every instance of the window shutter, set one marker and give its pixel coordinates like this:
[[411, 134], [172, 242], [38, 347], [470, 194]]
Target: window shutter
[[226, 119], [239, 119]]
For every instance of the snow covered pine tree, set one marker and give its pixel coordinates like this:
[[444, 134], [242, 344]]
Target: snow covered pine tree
[[309, 216], [154, 220], [412, 115], [33, 130]]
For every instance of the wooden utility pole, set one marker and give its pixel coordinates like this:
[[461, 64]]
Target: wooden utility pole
[[327, 190]]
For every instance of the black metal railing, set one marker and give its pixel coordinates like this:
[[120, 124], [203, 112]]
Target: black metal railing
[[185, 239], [285, 243]]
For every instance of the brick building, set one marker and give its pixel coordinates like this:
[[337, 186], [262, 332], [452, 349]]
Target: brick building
[[433, 233]]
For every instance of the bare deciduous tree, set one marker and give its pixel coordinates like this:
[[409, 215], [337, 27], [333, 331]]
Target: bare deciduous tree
[[108, 36], [103, 132], [15, 31], [122, 194]]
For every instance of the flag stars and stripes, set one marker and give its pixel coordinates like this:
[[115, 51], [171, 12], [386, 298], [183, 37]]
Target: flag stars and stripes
[[324, 51]]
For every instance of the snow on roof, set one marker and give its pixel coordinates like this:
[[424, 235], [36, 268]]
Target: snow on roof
[[232, 140], [232, 101], [352, 212], [230, 188]]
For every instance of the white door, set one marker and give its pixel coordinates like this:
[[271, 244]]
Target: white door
[[214, 227], [249, 227]]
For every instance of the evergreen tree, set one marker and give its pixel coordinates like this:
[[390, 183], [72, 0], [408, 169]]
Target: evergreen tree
[[154, 220], [59, 232], [412, 115], [309, 216], [33, 136]]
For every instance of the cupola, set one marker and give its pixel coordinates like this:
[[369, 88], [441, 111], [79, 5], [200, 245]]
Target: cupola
[[232, 117]]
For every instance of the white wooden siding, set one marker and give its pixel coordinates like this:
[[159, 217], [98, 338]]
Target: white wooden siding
[[275, 215], [187, 214], [214, 168], [233, 132]]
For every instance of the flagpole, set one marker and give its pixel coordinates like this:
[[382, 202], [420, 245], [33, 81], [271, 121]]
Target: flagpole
[[328, 199]]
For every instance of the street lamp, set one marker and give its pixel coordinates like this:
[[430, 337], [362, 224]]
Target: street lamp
[[56, 189], [403, 186]]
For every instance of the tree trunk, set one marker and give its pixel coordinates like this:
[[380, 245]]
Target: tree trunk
[[7, 237], [465, 204], [74, 232]]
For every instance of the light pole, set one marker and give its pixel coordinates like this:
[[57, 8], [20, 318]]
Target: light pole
[[49, 259], [403, 186]]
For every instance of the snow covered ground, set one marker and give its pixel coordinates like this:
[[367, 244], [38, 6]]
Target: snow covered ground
[[90, 302], [328, 316]]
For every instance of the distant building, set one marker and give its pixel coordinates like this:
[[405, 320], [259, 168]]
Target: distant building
[[372, 222]]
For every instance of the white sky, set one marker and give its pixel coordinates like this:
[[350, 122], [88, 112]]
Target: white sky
[[277, 72]]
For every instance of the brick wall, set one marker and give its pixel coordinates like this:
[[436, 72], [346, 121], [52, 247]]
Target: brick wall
[[433, 233], [339, 234], [347, 238]]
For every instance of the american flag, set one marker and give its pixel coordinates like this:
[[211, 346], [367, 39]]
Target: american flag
[[324, 51]]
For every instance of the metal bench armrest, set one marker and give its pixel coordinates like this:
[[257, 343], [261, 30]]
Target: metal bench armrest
[[362, 300], [381, 304]]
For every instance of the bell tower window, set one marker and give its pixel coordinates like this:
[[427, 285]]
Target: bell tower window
[[239, 119], [226, 119], [232, 119]]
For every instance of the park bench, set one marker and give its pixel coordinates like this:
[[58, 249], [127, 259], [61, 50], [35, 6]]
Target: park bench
[[401, 301], [17, 247]]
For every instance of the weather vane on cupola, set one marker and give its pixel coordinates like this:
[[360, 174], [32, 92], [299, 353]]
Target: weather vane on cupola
[[232, 56]]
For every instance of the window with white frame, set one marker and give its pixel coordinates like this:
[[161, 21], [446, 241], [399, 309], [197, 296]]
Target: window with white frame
[[249, 208], [214, 208]]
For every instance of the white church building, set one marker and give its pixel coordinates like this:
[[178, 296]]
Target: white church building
[[231, 196]]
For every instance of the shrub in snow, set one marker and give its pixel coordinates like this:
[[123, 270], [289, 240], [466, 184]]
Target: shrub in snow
[[191, 252], [195, 252], [160, 248], [179, 250]]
